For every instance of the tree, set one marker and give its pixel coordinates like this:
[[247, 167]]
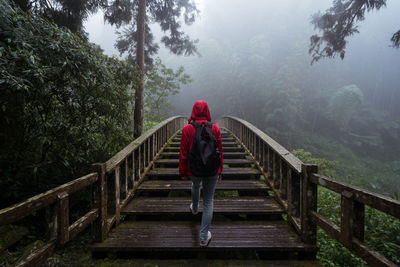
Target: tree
[[338, 23], [161, 82], [63, 105], [344, 103], [70, 14], [137, 39]]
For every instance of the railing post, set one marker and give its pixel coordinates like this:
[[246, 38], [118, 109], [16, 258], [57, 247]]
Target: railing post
[[283, 179], [294, 193], [100, 202], [351, 219], [117, 195], [63, 217], [308, 204]]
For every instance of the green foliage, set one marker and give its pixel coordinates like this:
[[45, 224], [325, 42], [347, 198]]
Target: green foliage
[[325, 167], [64, 105], [70, 14], [382, 233], [344, 103], [160, 83]]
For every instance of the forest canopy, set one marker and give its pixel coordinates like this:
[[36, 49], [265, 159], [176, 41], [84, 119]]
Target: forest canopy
[[64, 104]]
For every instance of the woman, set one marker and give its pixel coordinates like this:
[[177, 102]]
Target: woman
[[200, 117]]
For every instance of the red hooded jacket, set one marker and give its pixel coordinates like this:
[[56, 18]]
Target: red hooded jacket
[[200, 114]]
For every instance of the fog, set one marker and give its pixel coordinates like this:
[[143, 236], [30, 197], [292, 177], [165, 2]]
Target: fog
[[254, 64]]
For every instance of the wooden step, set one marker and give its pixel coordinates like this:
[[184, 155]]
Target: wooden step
[[224, 144], [223, 135], [224, 149], [227, 155], [210, 262], [138, 236], [227, 173], [224, 140], [231, 162], [186, 185], [227, 205]]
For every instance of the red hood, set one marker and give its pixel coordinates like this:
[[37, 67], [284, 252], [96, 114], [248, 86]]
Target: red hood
[[200, 111]]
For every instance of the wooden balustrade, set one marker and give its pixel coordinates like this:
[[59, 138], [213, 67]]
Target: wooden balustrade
[[56, 203], [295, 187], [287, 176], [125, 170], [113, 182], [351, 230]]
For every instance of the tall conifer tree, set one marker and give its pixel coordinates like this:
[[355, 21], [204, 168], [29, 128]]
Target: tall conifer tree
[[137, 40]]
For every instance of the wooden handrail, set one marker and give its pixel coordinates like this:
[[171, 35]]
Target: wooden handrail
[[351, 230], [136, 159], [285, 173], [27, 207], [121, 175], [288, 157], [287, 176], [374, 200]]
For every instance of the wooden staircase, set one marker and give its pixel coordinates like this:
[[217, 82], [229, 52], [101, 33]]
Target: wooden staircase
[[157, 222]]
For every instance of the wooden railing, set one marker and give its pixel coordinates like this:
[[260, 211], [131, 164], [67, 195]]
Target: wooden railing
[[295, 187], [120, 176], [59, 230], [286, 175], [112, 181], [351, 230]]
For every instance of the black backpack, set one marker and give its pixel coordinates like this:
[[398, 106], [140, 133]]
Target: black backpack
[[204, 157]]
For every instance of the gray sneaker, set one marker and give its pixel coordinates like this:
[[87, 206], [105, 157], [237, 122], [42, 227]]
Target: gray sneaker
[[192, 210], [205, 242]]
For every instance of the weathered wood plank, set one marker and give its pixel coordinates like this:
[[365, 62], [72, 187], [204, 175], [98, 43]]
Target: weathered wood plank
[[231, 162], [38, 256], [168, 185], [227, 155], [157, 205], [224, 149], [271, 235], [80, 224], [159, 172], [22, 209], [372, 257], [374, 200], [328, 226]]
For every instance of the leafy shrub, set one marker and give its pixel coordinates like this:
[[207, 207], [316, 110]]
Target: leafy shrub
[[63, 105]]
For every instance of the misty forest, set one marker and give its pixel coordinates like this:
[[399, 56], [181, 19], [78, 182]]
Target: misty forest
[[80, 80]]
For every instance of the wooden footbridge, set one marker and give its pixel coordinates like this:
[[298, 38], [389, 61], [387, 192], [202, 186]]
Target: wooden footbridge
[[265, 206]]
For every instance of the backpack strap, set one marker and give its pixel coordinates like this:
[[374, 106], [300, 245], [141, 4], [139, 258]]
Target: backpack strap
[[195, 124]]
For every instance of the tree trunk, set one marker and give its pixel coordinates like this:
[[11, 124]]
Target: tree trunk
[[139, 96]]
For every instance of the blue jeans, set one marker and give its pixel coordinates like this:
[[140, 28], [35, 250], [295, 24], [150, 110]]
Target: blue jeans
[[208, 200]]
